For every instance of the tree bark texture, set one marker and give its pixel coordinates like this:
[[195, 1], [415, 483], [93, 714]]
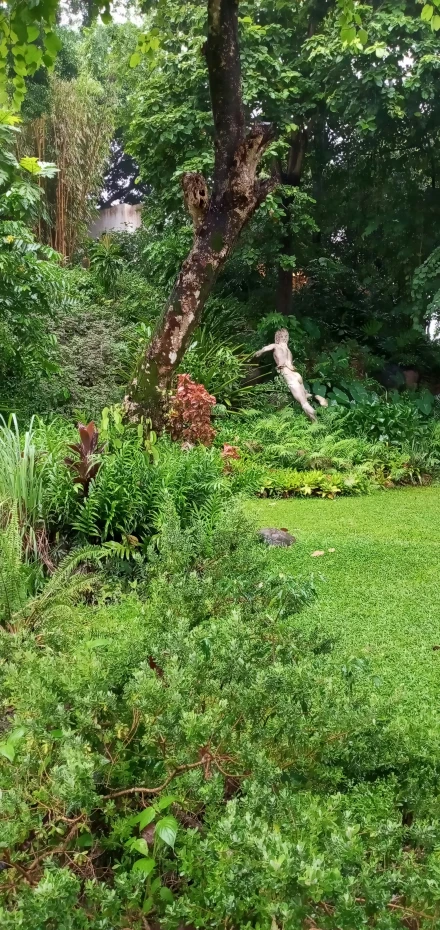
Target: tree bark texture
[[218, 217]]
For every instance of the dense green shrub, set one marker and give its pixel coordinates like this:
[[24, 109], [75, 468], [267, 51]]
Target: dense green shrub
[[308, 483], [398, 421], [292, 789], [31, 281], [106, 262], [127, 494], [345, 448], [217, 364], [96, 342]]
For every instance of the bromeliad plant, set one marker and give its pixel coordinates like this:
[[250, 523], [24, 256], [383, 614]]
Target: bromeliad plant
[[85, 466]]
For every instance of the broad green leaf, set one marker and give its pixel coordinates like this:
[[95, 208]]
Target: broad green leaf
[[16, 735], [146, 817], [348, 34], [32, 33], [94, 643], [53, 43], [20, 67], [340, 396], [33, 55], [49, 60], [166, 829], [135, 59], [7, 750], [48, 169], [358, 392], [31, 164], [147, 905], [435, 23], [140, 846], [363, 36], [165, 802], [145, 866], [7, 747], [166, 895], [427, 12], [8, 119]]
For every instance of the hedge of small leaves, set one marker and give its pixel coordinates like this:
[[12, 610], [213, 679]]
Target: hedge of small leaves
[[186, 756]]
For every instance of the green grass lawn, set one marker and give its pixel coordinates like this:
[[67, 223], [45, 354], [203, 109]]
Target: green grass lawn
[[379, 591]]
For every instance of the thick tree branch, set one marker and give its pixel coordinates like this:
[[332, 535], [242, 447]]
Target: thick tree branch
[[218, 220], [223, 60], [265, 186], [298, 147], [291, 177], [195, 195]]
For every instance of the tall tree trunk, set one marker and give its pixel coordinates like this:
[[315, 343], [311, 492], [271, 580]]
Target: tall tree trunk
[[319, 162], [218, 217], [291, 177]]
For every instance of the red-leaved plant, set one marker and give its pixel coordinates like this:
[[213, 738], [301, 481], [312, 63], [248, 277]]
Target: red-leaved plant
[[84, 466], [229, 452], [190, 412]]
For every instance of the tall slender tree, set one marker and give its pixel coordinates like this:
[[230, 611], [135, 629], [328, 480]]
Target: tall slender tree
[[218, 215]]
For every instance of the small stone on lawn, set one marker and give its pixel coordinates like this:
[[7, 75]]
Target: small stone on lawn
[[274, 537]]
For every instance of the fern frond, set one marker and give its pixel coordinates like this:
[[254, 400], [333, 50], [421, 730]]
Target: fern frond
[[66, 585], [12, 571], [86, 522]]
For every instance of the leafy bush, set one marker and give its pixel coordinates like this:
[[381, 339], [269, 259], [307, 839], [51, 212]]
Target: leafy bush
[[283, 453], [308, 483], [97, 339], [106, 262], [217, 364], [127, 494], [190, 412], [31, 281], [397, 421], [204, 759]]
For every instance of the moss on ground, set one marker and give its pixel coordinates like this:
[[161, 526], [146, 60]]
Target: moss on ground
[[379, 591]]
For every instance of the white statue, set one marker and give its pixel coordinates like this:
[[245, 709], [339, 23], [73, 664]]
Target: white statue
[[285, 367]]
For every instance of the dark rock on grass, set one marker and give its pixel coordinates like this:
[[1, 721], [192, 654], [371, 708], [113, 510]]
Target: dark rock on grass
[[274, 537]]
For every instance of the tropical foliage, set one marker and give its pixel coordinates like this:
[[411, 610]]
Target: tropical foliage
[[193, 731], [31, 282]]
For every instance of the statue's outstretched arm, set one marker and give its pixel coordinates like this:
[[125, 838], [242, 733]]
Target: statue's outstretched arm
[[264, 349]]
